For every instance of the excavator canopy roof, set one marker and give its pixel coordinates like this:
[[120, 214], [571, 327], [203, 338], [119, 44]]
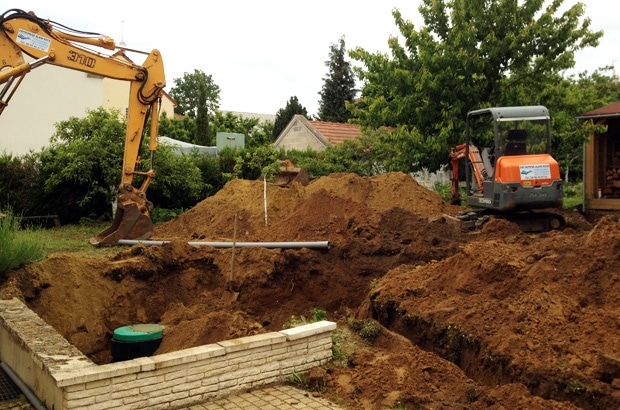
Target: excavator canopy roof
[[529, 112]]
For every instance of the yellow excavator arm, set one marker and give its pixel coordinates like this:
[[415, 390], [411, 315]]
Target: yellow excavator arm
[[51, 43]]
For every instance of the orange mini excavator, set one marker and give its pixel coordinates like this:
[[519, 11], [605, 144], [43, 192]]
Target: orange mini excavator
[[516, 177]]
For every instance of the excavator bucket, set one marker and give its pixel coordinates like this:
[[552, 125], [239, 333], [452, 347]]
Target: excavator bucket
[[289, 173], [130, 222]]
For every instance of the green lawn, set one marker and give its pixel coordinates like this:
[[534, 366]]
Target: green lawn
[[69, 238]]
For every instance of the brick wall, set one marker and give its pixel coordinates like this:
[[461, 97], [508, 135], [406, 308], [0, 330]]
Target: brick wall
[[65, 379]]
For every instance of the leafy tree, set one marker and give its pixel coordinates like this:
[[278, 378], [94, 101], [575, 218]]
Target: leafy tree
[[83, 163], [82, 167], [198, 97], [284, 115], [178, 184], [202, 117], [370, 154], [229, 122], [339, 86], [248, 163], [261, 135], [257, 133], [181, 130], [212, 178], [467, 55], [568, 98]]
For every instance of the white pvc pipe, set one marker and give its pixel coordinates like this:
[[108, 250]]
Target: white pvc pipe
[[265, 196], [287, 245]]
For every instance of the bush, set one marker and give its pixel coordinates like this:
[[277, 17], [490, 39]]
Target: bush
[[21, 184], [368, 330], [160, 215], [15, 251]]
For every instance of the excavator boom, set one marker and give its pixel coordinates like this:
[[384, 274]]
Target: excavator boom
[[51, 43]]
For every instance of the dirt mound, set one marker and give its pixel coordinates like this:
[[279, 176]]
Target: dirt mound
[[260, 208], [537, 310], [490, 319]]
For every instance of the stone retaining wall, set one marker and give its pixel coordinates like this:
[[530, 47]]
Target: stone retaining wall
[[63, 378]]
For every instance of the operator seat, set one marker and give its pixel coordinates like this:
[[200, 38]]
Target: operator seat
[[515, 142]]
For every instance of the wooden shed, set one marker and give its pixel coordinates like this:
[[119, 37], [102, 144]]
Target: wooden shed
[[601, 182]]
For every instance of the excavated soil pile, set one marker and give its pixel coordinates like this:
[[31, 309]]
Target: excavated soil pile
[[496, 319]]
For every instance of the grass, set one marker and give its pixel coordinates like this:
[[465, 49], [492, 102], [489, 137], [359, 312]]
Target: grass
[[22, 246], [68, 238], [17, 248], [344, 343], [573, 195]]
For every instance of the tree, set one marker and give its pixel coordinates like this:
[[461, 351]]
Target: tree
[[257, 133], [198, 97], [181, 130], [468, 55], [284, 115], [202, 116], [83, 165], [339, 86], [21, 184], [568, 98]]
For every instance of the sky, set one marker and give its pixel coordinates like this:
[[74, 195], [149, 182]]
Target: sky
[[261, 53]]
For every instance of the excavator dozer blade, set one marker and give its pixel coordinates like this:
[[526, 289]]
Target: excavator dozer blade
[[128, 223], [287, 176]]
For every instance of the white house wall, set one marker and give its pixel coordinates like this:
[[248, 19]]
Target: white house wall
[[47, 95], [51, 94], [299, 137], [116, 94]]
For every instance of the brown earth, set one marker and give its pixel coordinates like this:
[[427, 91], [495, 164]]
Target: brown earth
[[495, 319]]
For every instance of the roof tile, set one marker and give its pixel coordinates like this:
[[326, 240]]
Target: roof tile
[[336, 133], [611, 109]]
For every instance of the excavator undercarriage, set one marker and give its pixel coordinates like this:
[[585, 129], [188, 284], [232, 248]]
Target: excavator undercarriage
[[528, 221]]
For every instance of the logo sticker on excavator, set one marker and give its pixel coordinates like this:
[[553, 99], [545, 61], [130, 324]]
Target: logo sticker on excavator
[[535, 171], [33, 40]]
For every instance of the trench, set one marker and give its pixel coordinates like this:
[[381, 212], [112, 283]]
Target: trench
[[479, 363]]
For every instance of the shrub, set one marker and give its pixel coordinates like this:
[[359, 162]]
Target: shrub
[[368, 330], [316, 316]]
